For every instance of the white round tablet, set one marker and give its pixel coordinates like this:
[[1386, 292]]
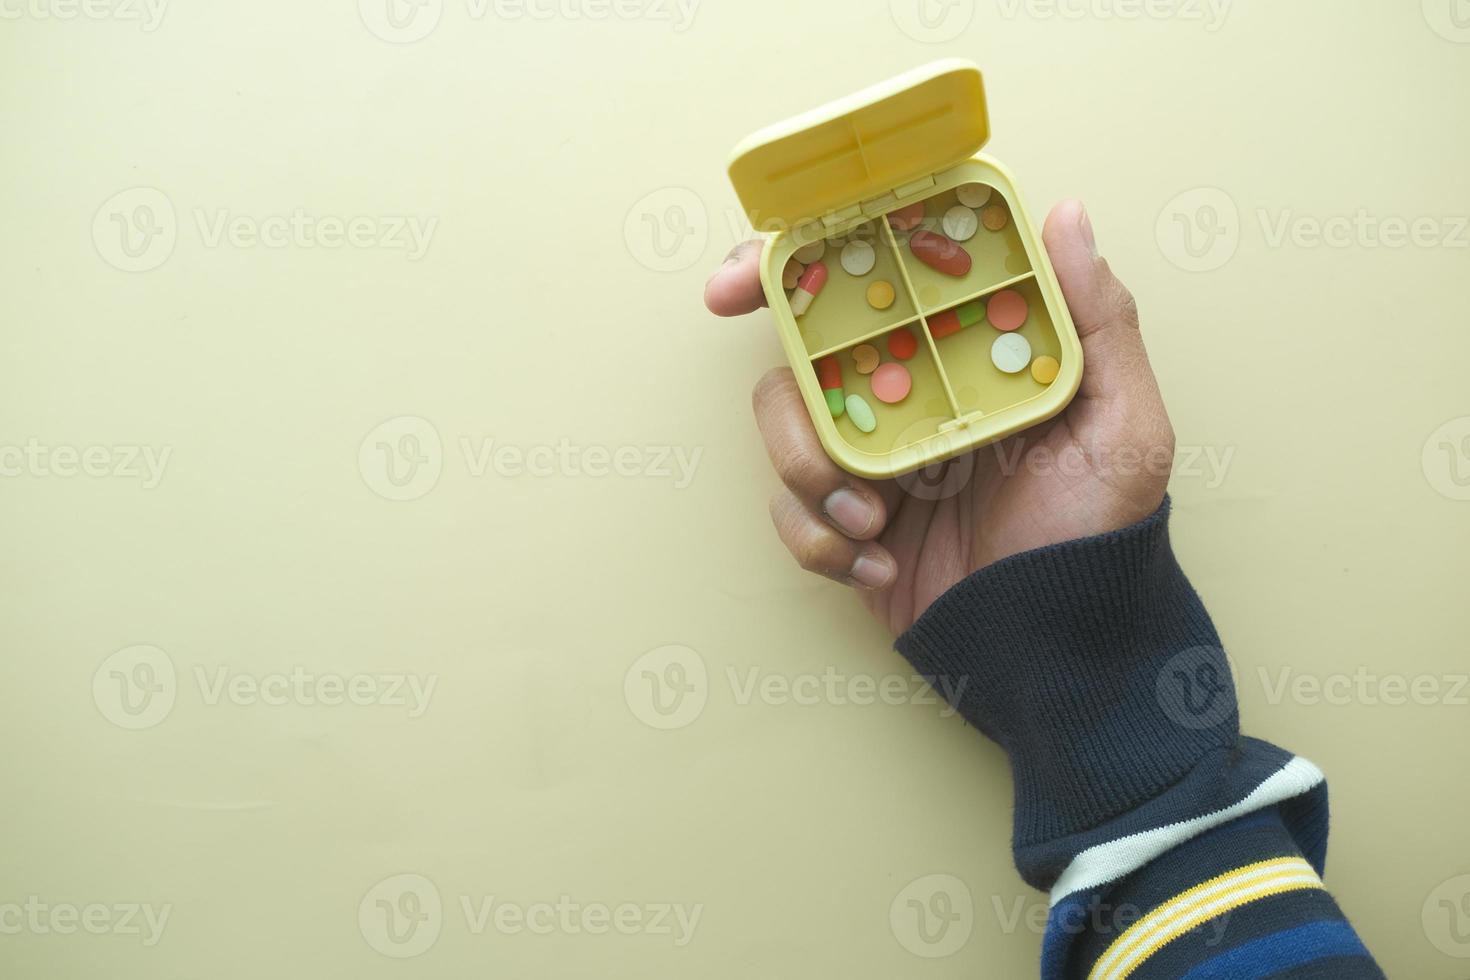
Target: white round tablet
[[858, 258], [973, 195], [1010, 353], [808, 254], [960, 223]]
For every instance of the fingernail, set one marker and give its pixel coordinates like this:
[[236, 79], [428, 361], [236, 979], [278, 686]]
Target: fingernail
[[871, 573], [850, 511], [1088, 236]]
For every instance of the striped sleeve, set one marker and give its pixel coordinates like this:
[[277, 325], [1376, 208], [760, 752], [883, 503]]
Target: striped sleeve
[[1237, 902], [1095, 666]]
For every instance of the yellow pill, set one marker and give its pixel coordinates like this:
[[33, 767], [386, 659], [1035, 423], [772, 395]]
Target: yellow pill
[[880, 295], [994, 216], [866, 358], [1044, 369]]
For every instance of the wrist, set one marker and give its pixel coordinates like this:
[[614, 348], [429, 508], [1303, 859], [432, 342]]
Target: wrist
[[1095, 666]]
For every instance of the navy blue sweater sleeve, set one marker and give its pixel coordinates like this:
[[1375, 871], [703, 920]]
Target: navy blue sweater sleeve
[[1094, 664]]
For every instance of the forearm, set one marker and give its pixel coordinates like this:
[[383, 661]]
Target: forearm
[[1094, 664]]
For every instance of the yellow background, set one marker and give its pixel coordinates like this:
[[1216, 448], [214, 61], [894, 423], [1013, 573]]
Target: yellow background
[[545, 310]]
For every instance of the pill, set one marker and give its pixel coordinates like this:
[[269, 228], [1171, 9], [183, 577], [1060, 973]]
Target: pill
[[808, 254], [973, 195], [792, 274], [829, 376], [891, 383], [1006, 310], [994, 216], [1045, 369], [866, 358], [807, 288], [972, 312], [902, 344], [861, 413], [907, 219], [943, 324], [1010, 353], [940, 254], [960, 223], [858, 258], [881, 294], [829, 372], [953, 321]]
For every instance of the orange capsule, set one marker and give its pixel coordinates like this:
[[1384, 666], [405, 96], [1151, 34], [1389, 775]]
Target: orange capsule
[[944, 324], [829, 373], [940, 254]]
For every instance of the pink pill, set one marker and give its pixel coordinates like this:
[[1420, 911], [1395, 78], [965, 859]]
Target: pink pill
[[891, 383], [1006, 310]]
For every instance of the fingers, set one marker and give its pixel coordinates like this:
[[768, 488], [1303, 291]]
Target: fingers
[[848, 504], [818, 547], [735, 288], [1102, 308]]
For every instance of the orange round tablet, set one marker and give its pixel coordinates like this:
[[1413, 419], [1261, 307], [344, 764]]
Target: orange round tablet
[[1045, 369], [994, 216], [902, 344], [881, 295], [1006, 310], [891, 383]]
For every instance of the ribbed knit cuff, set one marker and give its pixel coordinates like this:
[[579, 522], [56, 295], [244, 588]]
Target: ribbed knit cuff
[[1095, 666]]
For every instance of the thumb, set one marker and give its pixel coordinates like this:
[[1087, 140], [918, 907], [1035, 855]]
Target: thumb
[[1103, 310]]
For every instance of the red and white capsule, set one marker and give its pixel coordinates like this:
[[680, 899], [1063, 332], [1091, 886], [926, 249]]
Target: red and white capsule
[[807, 287]]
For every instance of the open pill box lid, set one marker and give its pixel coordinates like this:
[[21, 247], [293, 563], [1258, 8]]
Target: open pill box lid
[[824, 165]]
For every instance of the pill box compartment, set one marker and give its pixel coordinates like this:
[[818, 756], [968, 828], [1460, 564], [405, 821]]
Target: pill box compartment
[[839, 172], [977, 384], [841, 316], [919, 417], [995, 255]]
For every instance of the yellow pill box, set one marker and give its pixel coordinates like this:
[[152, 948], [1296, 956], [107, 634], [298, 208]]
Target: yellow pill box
[[837, 175]]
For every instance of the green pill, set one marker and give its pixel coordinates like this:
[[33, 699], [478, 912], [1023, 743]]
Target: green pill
[[861, 413], [834, 401], [971, 313]]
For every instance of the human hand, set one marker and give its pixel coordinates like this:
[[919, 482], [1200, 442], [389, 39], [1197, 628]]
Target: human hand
[[1101, 465]]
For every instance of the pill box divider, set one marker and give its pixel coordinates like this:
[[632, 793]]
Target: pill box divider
[[908, 286], [982, 293], [866, 338]]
